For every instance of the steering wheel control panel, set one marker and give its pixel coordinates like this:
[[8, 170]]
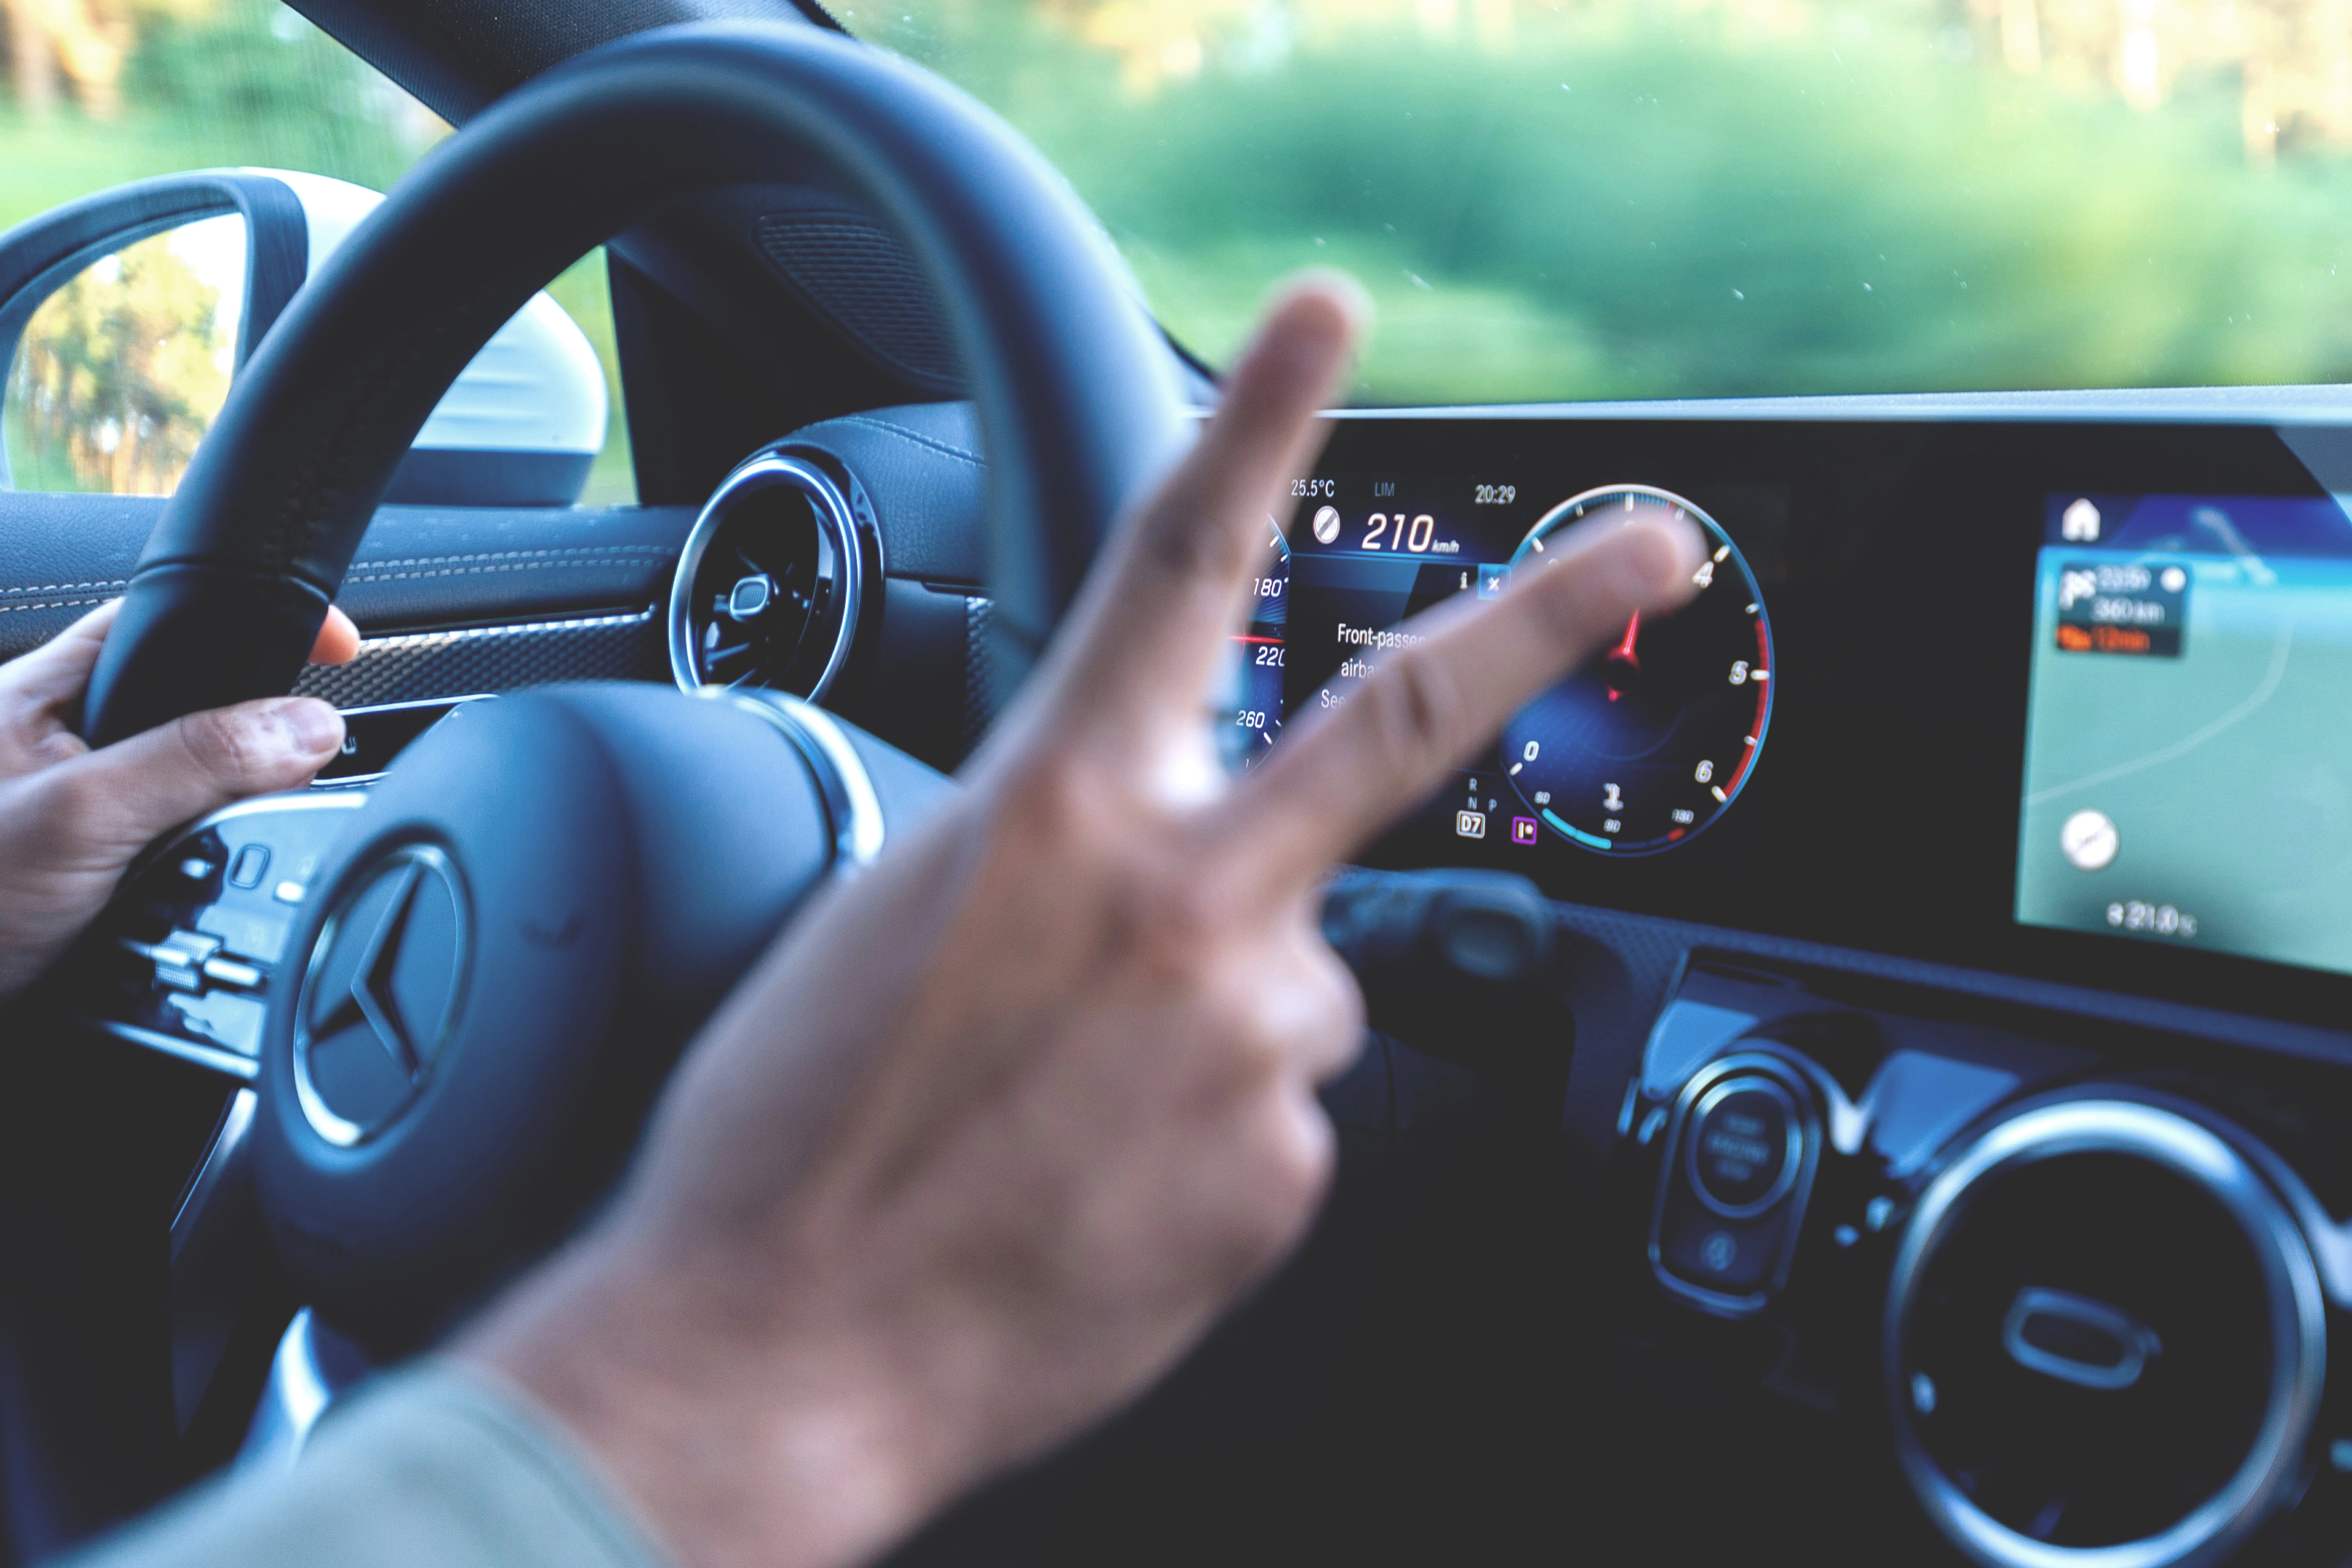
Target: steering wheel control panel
[[2085, 1285], [182, 963]]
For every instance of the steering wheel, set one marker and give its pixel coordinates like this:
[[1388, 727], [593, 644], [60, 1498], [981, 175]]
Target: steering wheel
[[500, 957]]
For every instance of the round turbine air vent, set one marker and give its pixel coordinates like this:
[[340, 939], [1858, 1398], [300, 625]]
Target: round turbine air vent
[[768, 584], [2105, 1341]]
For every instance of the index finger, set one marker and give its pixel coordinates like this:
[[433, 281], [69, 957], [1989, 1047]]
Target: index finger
[[1141, 644], [1467, 668]]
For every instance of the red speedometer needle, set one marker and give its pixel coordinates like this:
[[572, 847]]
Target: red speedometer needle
[[1625, 664]]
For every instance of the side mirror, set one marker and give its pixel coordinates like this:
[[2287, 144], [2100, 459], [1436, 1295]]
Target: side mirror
[[124, 316], [151, 296]]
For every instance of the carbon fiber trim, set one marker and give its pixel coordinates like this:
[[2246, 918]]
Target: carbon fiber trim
[[494, 658], [979, 696]]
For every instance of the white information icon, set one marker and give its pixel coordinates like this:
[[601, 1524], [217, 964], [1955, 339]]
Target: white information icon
[[2089, 839], [1326, 524]]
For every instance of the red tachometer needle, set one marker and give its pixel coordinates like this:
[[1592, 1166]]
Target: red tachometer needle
[[1625, 664]]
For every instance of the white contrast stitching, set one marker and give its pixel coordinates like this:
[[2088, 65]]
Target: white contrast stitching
[[522, 561], [68, 587], [589, 554]]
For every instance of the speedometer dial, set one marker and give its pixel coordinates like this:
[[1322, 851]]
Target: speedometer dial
[[1644, 747], [1249, 711]]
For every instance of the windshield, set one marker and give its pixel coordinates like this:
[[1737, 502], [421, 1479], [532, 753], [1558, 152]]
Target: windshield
[[1602, 198]]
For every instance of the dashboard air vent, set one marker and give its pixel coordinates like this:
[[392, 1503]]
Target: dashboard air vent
[[2105, 1340], [768, 584]]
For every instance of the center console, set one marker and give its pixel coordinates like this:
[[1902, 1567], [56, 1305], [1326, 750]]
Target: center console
[[2080, 1278]]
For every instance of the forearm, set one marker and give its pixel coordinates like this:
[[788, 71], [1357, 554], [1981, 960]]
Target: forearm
[[438, 1464], [741, 1446]]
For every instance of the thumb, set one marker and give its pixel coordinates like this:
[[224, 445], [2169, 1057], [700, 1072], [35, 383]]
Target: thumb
[[202, 761]]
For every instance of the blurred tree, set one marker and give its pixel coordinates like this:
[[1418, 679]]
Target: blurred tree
[[87, 41], [32, 61], [121, 371]]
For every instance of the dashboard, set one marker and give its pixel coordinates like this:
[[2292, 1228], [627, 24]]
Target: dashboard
[[1920, 962], [2056, 701]]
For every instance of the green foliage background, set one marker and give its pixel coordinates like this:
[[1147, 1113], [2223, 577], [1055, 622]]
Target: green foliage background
[[1624, 202], [1654, 206], [119, 374], [251, 82]]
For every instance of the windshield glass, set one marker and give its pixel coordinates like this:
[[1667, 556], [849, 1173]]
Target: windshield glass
[[1605, 198]]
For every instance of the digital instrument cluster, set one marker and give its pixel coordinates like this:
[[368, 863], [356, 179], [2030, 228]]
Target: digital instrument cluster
[[2041, 699], [1636, 754]]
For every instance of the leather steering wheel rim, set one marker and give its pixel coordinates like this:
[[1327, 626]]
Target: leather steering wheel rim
[[1075, 392]]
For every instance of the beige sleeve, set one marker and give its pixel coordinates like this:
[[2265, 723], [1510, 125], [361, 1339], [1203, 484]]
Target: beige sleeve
[[433, 1466]]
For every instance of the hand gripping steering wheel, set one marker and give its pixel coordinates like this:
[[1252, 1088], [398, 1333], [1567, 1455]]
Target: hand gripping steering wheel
[[496, 965]]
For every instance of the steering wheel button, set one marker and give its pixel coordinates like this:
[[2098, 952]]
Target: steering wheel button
[[224, 1017], [1745, 1144], [289, 892], [229, 971], [246, 870], [258, 938]]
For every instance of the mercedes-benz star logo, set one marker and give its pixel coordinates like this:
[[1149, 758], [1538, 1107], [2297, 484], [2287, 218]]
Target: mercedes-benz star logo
[[379, 996]]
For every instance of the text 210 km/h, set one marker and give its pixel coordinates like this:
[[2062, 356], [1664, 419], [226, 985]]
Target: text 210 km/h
[[1387, 531]]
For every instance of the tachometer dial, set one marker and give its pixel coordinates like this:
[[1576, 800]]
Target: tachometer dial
[[1250, 707], [1648, 744]]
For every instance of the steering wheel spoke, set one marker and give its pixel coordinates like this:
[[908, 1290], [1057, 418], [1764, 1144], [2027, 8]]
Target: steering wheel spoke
[[314, 1366], [223, 1274]]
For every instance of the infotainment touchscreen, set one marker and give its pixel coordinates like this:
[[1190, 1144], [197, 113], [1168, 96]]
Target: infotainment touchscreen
[[2189, 742]]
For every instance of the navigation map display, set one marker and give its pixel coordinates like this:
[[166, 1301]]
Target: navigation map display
[[2189, 740]]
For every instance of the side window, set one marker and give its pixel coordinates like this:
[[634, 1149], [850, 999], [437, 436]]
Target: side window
[[117, 374]]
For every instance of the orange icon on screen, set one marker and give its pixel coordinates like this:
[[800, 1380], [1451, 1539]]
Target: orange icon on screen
[[2104, 639]]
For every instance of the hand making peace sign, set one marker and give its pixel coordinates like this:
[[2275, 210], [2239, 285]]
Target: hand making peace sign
[[993, 1133]]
